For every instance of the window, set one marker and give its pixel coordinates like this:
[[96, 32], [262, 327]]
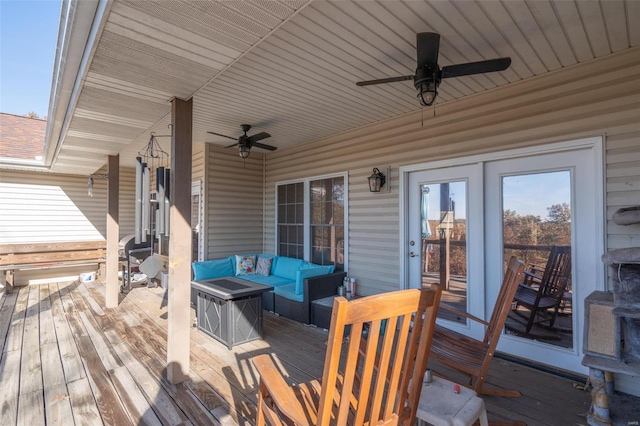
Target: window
[[291, 220], [311, 218]]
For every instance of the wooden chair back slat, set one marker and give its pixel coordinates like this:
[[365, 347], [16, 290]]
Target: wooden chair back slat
[[503, 301]]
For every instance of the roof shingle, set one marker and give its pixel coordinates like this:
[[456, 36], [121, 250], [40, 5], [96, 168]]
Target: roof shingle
[[21, 137]]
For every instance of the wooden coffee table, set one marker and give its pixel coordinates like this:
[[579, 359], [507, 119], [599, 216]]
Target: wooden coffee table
[[230, 309]]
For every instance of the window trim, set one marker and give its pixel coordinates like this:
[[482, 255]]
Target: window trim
[[307, 212]]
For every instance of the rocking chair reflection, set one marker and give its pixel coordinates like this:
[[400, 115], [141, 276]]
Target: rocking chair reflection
[[542, 294]]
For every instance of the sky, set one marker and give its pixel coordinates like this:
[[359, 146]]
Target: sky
[[527, 194], [28, 36]]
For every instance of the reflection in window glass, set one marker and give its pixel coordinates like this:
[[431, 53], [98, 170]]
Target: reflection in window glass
[[291, 220], [537, 217], [444, 245], [327, 221]]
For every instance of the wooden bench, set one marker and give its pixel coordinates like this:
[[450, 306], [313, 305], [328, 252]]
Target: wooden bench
[[15, 257]]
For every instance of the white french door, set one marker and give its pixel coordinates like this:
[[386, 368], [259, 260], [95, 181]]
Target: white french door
[[445, 239], [558, 188], [462, 220]]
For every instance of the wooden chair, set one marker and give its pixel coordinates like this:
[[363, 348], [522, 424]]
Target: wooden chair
[[473, 357], [376, 357], [542, 294]]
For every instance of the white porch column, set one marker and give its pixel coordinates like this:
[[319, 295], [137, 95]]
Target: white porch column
[[113, 231], [179, 328]]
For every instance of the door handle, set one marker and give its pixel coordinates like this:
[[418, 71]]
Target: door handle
[[412, 254]]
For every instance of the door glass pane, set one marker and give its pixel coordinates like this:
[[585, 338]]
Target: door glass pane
[[537, 229], [444, 243]]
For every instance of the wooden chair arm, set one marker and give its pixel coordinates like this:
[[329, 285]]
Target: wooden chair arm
[[463, 314], [531, 279], [279, 391]]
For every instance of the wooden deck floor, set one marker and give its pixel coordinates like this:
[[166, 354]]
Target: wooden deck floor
[[67, 360]]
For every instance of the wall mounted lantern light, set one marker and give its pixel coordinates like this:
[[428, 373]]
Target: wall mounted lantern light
[[376, 180]]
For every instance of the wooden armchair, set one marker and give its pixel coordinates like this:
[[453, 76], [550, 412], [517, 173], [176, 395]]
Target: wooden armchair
[[376, 357], [542, 294], [473, 357]]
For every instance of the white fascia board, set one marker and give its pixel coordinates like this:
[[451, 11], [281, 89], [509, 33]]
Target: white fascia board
[[81, 24]]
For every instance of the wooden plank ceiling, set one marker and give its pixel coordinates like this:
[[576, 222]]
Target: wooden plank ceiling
[[289, 67]]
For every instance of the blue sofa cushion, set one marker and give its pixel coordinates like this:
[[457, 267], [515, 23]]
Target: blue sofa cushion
[[287, 267], [288, 291], [314, 271], [272, 280], [212, 269]]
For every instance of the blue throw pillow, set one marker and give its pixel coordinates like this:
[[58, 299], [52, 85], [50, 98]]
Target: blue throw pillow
[[212, 269]]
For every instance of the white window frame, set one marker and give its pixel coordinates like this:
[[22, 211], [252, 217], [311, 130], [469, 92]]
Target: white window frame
[[307, 212]]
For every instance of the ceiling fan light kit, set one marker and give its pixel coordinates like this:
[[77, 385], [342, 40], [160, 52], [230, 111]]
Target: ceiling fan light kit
[[429, 74], [426, 81], [244, 151]]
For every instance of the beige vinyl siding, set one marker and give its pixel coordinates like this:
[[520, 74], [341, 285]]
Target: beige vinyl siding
[[233, 197], [623, 184], [127, 201], [39, 207], [601, 97], [197, 166]]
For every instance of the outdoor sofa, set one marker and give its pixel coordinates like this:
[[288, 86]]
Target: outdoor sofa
[[296, 283]]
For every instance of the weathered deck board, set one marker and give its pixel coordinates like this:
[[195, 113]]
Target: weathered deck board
[[6, 312], [56, 395], [71, 362], [31, 408], [10, 386], [133, 399], [31, 364], [13, 340], [83, 403], [107, 400]]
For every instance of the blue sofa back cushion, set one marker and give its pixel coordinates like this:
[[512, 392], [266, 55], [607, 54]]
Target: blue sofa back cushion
[[287, 267], [212, 269], [312, 271]]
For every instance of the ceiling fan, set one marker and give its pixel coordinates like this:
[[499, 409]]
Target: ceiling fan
[[429, 74], [245, 143]]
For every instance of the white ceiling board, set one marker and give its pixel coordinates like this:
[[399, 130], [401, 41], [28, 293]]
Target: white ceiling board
[[289, 67], [547, 20], [593, 22], [616, 23]]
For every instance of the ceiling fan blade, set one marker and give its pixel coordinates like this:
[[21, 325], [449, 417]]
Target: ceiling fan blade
[[229, 146], [259, 137], [384, 80], [479, 67], [428, 46], [263, 146], [224, 136]]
